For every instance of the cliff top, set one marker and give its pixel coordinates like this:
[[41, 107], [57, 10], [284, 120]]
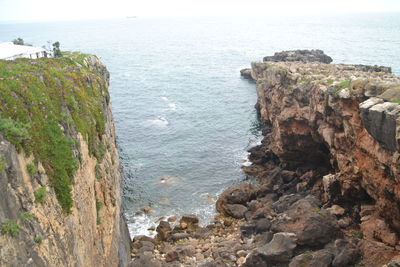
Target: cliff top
[[345, 80], [44, 103]]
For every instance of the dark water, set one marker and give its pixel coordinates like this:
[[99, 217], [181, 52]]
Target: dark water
[[182, 111]]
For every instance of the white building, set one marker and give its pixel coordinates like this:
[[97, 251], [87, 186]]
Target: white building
[[10, 51]]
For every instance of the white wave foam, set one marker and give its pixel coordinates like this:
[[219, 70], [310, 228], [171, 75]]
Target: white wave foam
[[164, 98], [140, 226], [160, 122], [172, 106]]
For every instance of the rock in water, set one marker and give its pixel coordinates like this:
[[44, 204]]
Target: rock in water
[[300, 55]]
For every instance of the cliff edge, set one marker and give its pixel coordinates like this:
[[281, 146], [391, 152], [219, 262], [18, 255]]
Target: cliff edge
[[60, 177]]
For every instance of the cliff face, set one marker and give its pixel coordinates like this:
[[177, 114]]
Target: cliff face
[[337, 127], [60, 181]]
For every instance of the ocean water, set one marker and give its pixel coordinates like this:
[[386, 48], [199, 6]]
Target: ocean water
[[184, 116]]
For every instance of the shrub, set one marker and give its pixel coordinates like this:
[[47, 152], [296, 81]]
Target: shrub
[[2, 163], [38, 239], [99, 205], [40, 194], [100, 152], [26, 216], [31, 168], [97, 172], [15, 132], [9, 227]]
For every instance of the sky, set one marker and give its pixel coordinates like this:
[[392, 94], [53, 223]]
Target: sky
[[45, 10]]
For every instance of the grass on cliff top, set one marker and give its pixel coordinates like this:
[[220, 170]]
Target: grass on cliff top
[[41, 101]]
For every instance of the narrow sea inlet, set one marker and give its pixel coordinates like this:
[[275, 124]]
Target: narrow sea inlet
[[184, 116]]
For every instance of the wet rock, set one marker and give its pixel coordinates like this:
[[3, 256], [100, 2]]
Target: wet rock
[[300, 55], [146, 209], [163, 230], [280, 249], [235, 210]]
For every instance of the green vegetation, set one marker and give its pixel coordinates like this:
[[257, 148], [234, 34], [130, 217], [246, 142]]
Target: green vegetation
[[99, 205], [344, 84], [320, 212], [26, 216], [100, 151], [2, 163], [357, 234], [38, 239], [97, 172], [20, 41], [9, 227], [56, 49], [31, 168], [16, 132], [36, 96], [396, 101], [40, 195]]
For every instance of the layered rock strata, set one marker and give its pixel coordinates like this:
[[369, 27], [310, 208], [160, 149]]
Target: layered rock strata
[[45, 220]]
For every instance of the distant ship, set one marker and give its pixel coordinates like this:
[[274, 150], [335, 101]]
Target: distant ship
[[131, 17]]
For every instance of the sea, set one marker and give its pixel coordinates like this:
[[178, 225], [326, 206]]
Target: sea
[[184, 116]]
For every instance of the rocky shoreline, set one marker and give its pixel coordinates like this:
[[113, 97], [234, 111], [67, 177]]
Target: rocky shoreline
[[328, 170]]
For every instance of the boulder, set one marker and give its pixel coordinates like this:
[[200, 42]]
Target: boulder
[[262, 225], [300, 55], [313, 226], [163, 230], [145, 260], [237, 194], [235, 210], [346, 253], [280, 249], [320, 258], [188, 220], [180, 252]]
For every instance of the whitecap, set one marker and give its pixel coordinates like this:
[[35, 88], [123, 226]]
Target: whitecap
[[164, 98], [172, 106], [160, 122]]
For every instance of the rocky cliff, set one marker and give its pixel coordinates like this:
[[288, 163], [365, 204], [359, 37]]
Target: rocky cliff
[[327, 171], [336, 130], [60, 181]]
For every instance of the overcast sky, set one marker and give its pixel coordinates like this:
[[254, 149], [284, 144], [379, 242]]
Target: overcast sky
[[80, 9]]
